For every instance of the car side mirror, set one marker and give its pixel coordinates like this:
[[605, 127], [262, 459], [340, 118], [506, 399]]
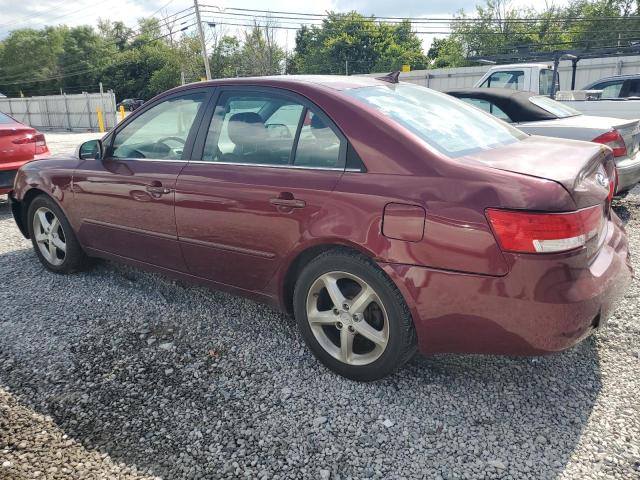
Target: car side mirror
[[91, 150]]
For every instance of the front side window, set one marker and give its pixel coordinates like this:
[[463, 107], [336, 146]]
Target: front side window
[[488, 107], [513, 80], [262, 128], [609, 89], [160, 132], [445, 123]]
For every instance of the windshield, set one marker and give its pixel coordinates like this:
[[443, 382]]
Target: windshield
[[558, 109], [447, 124]]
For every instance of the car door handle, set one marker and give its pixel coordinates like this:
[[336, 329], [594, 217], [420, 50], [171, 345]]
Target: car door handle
[[288, 202], [158, 189]]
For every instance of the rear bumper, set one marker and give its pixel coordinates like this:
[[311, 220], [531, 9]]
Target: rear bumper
[[628, 172], [6, 180], [546, 303]]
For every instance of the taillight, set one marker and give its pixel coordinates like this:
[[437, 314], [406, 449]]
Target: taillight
[[41, 144], [37, 139], [614, 140], [532, 232]]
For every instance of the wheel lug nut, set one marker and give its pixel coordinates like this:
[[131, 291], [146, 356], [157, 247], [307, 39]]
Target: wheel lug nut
[[345, 306], [336, 311], [339, 325], [351, 329], [356, 317]]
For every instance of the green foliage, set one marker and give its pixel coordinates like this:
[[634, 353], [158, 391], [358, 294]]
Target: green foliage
[[498, 29], [145, 61], [357, 43]]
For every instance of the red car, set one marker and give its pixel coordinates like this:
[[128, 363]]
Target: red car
[[19, 144], [386, 217]]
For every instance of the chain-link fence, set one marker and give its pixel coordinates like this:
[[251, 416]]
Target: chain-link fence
[[77, 112]]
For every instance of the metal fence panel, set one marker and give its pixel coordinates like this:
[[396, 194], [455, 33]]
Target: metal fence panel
[[77, 112], [588, 70]]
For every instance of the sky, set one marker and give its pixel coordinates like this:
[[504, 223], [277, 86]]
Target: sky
[[39, 13]]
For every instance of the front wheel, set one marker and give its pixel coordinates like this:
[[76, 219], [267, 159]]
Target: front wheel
[[352, 316], [52, 237]]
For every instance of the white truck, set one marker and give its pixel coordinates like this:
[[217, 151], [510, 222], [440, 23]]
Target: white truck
[[539, 78]]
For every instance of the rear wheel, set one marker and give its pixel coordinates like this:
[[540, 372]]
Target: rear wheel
[[53, 239], [352, 316]]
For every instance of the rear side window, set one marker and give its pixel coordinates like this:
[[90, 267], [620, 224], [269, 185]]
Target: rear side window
[[270, 129], [488, 107], [633, 88], [546, 81], [609, 89], [445, 123], [513, 80]]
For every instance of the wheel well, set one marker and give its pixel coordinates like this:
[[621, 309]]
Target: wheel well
[[26, 201], [298, 263]]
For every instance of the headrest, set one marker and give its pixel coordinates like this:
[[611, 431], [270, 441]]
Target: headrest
[[246, 127]]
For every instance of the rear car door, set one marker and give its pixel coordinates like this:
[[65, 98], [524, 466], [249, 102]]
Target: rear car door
[[125, 201], [268, 160]]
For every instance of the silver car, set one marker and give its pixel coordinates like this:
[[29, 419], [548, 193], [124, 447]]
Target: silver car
[[539, 115]]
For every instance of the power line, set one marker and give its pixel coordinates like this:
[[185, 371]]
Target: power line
[[417, 19], [277, 26]]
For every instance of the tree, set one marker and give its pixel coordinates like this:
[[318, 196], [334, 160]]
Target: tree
[[353, 43]]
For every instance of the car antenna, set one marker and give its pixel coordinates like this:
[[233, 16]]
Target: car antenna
[[392, 77]]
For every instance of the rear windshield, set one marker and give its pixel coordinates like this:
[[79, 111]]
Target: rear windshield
[[445, 123], [558, 109], [6, 118]]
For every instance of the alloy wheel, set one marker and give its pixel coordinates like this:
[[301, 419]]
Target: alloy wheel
[[49, 236], [347, 318]]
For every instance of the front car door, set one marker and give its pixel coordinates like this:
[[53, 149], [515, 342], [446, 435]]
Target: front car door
[[269, 159], [125, 201]]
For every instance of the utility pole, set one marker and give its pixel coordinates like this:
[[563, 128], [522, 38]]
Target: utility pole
[[182, 79], [203, 45], [346, 67]]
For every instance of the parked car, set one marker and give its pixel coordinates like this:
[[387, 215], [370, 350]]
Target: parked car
[[385, 217], [130, 104], [539, 115], [19, 144], [539, 78], [618, 86]]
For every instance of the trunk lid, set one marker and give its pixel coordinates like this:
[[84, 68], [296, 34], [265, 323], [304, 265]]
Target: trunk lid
[[13, 144], [584, 169], [630, 132]]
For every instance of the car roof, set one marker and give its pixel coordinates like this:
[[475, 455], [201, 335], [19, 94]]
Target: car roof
[[631, 76], [515, 103], [334, 82]]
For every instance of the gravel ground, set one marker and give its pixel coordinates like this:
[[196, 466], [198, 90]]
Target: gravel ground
[[126, 374]]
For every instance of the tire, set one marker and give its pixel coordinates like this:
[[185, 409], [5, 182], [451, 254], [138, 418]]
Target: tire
[[362, 344], [66, 255]]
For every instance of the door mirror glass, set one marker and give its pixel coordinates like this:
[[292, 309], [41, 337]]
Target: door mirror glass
[[91, 150]]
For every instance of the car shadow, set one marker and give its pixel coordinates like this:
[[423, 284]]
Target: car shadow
[[183, 381], [5, 208]]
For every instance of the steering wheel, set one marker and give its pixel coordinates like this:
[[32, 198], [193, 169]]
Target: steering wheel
[[175, 139]]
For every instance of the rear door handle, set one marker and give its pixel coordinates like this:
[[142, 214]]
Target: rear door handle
[[158, 189], [288, 202]]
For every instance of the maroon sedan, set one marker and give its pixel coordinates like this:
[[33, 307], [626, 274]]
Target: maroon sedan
[[19, 144], [385, 216]]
